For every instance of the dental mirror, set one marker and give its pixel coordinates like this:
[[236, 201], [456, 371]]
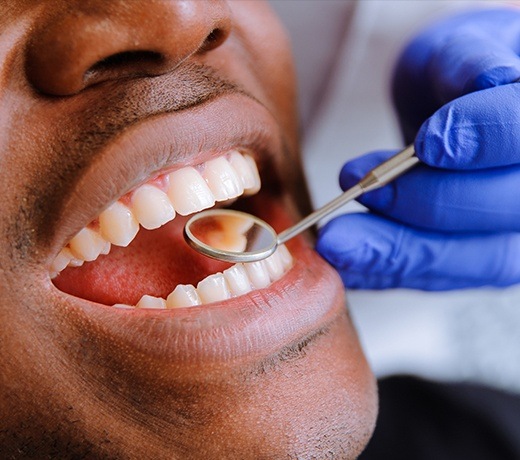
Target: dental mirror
[[235, 236], [229, 235]]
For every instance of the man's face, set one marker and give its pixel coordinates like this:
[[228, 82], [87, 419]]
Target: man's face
[[125, 111]]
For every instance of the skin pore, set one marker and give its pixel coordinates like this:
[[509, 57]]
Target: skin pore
[[96, 98]]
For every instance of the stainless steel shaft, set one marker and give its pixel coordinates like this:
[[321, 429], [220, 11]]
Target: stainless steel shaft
[[375, 178]]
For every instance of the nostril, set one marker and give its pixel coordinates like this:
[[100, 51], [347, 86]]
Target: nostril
[[127, 62], [68, 53], [214, 39], [127, 59]]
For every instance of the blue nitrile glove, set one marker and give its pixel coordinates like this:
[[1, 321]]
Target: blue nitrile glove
[[464, 53], [455, 223]]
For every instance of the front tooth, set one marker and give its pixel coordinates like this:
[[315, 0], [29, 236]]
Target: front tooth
[[213, 289], [258, 274], [118, 225], [237, 280], [222, 179], [189, 192], [152, 207], [149, 301], [243, 169], [87, 245], [184, 295], [274, 266]]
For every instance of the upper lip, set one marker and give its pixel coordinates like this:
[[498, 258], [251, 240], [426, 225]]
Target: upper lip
[[167, 141]]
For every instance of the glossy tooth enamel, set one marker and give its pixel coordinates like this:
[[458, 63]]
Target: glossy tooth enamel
[[256, 183], [184, 191], [237, 280], [87, 245], [233, 282], [106, 248], [258, 274], [213, 288], [118, 225], [189, 192], [76, 262], [244, 170], [285, 256], [222, 179], [274, 267], [149, 301], [152, 207], [184, 295], [61, 261]]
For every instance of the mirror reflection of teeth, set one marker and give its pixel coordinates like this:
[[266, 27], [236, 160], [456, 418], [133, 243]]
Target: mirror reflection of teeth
[[232, 242], [185, 191], [229, 234], [233, 282]]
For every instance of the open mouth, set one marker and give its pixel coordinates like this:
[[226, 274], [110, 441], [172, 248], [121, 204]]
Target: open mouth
[[134, 255], [119, 242]]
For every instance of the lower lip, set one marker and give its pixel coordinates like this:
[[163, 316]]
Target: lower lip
[[257, 324]]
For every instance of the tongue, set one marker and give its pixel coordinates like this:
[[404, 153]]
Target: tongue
[[154, 263]]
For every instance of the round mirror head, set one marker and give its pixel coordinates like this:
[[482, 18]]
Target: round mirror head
[[229, 235]]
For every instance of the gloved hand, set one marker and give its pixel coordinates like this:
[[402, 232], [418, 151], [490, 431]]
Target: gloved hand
[[453, 222]]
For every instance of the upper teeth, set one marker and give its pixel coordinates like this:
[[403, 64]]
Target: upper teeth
[[185, 191]]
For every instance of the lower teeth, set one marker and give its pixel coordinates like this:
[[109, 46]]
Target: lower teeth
[[233, 282]]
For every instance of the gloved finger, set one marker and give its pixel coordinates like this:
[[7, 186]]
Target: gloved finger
[[471, 62], [477, 201], [466, 52], [479, 130], [370, 252]]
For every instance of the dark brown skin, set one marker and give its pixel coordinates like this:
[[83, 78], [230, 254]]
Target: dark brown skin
[[96, 96]]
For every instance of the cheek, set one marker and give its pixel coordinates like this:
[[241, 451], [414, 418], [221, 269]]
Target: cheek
[[269, 54]]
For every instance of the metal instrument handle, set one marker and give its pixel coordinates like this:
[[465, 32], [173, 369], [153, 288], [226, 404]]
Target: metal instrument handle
[[375, 178]]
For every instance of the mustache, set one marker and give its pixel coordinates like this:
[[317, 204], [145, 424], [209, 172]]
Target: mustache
[[188, 86], [85, 132]]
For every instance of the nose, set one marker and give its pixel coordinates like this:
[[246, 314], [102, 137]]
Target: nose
[[91, 41]]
